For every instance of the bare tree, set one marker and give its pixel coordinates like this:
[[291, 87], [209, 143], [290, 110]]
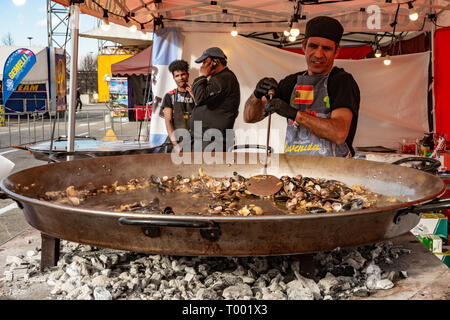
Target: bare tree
[[87, 74], [8, 39], [89, 63]]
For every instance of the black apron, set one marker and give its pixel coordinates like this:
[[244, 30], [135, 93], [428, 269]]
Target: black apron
[[181, 115], [310, 95]]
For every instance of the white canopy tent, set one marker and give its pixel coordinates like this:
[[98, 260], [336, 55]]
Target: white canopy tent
[[121, 35], [199, 16]]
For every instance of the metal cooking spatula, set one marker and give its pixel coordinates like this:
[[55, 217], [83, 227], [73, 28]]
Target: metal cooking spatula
[[265, 184]]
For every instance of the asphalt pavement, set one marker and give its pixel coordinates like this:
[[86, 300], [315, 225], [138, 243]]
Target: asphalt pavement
[[94, 120], [12, 219]]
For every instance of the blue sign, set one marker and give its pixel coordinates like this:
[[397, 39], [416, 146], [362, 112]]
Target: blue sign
[[18, 64], [26, 98]]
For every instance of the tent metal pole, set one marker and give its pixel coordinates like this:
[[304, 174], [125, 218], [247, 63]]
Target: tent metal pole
[[433, 29], [74, 25]]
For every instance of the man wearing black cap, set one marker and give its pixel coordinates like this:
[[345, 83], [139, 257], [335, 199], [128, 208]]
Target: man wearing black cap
[[217, 103], [321, 104]]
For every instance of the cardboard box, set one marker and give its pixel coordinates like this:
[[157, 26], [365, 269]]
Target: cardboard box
[[444, 255], [432, 223], [432, 242], [444, 158]]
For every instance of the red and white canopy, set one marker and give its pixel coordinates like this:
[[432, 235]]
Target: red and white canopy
[[267, 15]]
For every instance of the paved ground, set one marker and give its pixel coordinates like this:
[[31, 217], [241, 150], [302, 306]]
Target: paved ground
[[12, 220]]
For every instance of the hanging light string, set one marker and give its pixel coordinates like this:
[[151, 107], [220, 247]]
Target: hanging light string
[[158, 20], [129, 16], [222, 22], [387, 60], [413, 14], [394, 25]]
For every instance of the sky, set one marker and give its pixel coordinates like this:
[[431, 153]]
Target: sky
[[28, 18]]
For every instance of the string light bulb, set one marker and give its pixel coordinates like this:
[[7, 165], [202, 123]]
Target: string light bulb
[[234, 32], [413, 15], [378, 53], [295, 32], [387, 61], [143, 32], [132, 28], [105, 23]]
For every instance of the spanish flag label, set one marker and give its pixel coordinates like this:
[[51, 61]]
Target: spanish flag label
[[304, 94]]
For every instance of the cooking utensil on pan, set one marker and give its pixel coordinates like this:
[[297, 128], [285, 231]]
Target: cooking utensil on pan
[[265, 184]]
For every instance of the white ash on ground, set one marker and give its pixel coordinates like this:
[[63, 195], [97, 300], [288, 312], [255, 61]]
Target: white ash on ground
[[87, 273]]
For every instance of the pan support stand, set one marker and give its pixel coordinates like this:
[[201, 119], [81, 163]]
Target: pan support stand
[[50, 251], [307, 265]]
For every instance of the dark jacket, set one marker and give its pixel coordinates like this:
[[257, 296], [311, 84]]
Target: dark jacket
[[217, 100]]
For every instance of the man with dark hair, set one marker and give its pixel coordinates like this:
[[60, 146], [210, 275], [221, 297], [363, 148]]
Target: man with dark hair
[[178, 103], [320, 104], [217, 96]]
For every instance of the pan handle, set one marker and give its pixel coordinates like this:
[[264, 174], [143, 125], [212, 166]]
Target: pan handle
[[209, 230], [436, 204], [249, 146], [4, 195], [429, 165]]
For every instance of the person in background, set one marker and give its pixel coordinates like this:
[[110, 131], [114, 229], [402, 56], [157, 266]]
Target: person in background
[[79, 103], [217, 96], [178, 103], [321, 104]]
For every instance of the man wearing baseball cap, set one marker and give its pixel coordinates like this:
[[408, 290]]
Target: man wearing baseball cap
[[320, 104], [217, 97]]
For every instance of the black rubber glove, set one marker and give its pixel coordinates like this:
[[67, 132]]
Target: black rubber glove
[[282, 108], [263, 87]]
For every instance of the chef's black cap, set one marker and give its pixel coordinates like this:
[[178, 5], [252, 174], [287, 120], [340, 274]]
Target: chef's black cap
[[324, 27]]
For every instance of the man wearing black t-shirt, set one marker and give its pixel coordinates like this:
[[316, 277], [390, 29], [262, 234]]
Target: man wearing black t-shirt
[[217, 97], [321, 104], [178, 103]]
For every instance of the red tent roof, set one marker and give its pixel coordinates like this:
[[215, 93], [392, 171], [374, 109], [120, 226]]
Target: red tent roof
[[139, 64]]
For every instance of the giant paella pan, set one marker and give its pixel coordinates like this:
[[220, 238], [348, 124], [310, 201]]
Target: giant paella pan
[[185, 231]]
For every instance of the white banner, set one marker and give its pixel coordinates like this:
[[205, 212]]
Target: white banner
[[167, 46], [393, 99]]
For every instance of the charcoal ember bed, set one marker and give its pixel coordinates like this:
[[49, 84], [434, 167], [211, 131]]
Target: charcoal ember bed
[[88, 273]]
